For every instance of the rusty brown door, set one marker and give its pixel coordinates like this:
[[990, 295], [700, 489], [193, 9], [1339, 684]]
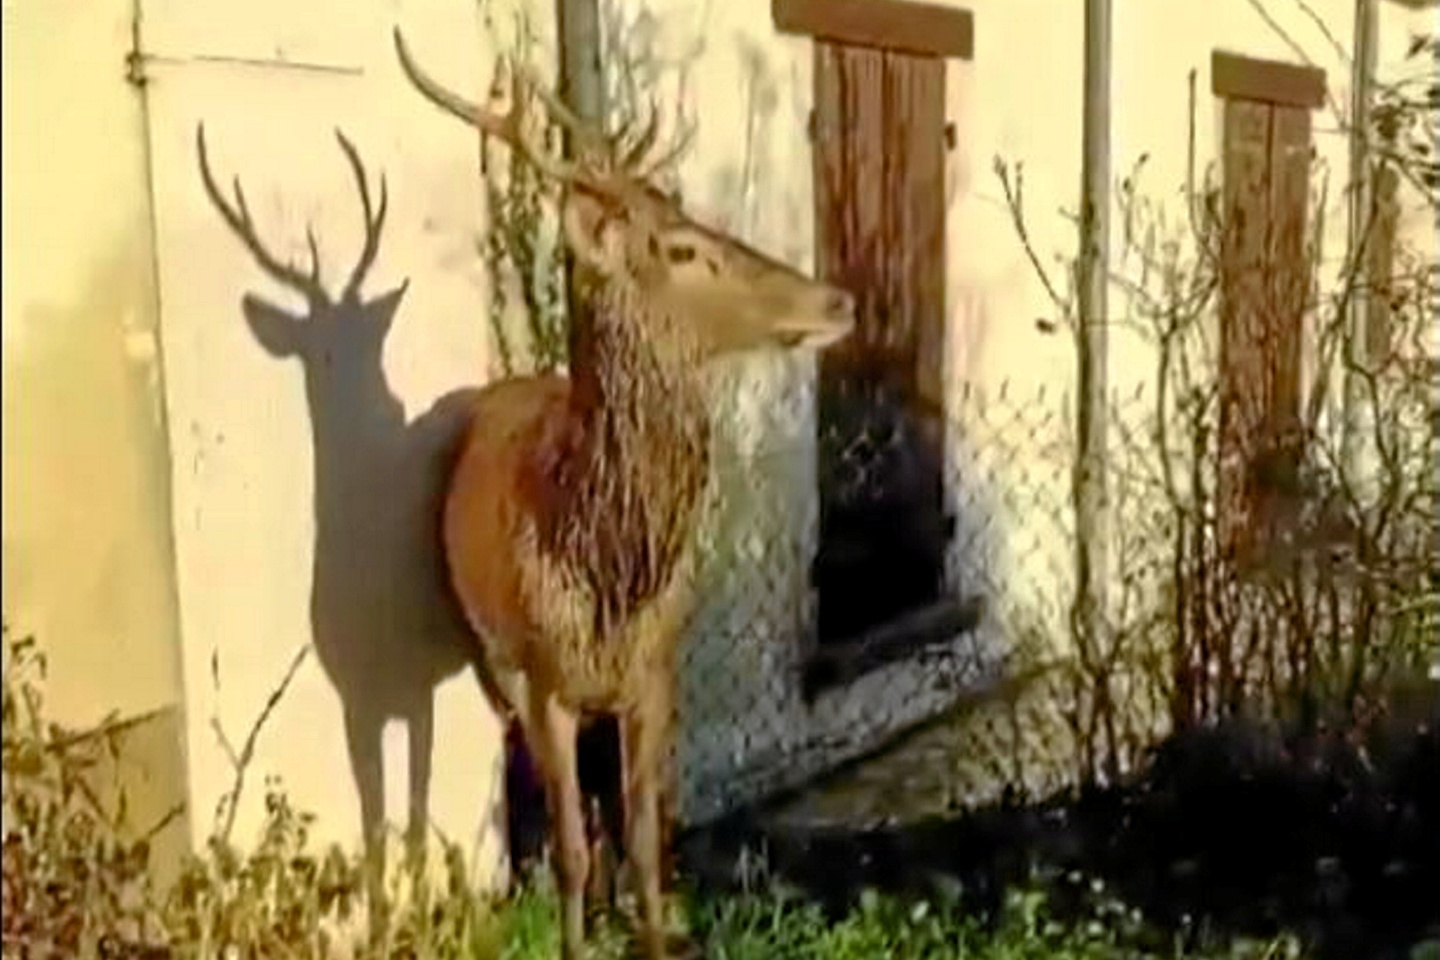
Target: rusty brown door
[[879, 150], [1264, 274]]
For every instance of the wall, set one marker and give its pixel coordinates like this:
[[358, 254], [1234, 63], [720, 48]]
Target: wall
[[308, 433], [1011, 385], [88, 568], [744, 729], [1006, 109], [88, 565]]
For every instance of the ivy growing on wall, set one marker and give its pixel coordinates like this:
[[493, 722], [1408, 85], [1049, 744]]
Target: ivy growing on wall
[[522, 246]]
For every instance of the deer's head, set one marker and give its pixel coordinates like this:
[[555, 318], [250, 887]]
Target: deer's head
[[621, 228], [338, 339]]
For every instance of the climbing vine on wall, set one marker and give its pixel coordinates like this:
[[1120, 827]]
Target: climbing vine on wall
[[522, 246]]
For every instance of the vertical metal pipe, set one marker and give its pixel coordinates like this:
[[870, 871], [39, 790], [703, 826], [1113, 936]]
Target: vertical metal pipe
[[1092, 374], [1361, 80], [582, 87], [582, 83]]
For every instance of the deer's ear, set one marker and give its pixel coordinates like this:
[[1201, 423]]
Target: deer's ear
[[592, 236], [279, 334], [382, 309]]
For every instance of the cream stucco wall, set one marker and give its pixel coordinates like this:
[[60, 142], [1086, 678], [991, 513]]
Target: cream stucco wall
[[103, 454], [88, 567], [1010, 386], [95, 482], [1005, 107], [264, 507]]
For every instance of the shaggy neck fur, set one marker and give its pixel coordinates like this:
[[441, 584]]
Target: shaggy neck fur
[[633, 466]]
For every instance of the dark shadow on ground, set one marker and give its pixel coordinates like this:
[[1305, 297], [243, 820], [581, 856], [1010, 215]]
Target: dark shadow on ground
[[1230, 831]]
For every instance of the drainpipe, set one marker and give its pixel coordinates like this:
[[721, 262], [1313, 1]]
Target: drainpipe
[[1093, 331], [1361, 80], [582, 83], [582, 88]]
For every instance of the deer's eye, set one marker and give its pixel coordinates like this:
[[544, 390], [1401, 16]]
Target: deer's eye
[[680, 253]]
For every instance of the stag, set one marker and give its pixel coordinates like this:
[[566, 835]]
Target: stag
[[569, 517], [385, 624]]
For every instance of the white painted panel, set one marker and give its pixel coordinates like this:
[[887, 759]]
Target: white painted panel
[[322, 33], [258, 494]]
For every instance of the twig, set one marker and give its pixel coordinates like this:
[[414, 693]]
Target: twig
[[1295, 47], [230, 802], [1014, 202], [1340, 52]]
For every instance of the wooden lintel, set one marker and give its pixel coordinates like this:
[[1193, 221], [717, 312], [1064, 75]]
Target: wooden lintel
[[1238, 77], [903, 26]]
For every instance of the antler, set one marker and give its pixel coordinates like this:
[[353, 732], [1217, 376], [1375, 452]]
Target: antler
[[505, 124], [603, 167], [640, 146], [243, 225]]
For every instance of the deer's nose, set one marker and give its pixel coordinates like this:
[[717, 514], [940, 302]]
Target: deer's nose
[[840, 304]]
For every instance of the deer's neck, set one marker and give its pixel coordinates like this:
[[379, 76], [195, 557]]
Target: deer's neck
[[357, 429], [631, 474]]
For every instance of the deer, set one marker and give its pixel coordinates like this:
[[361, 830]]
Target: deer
[[569, 516], [385, 626]]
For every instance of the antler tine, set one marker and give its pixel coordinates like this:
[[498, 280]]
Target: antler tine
[[557, 109], [641, 147], [446, 100], [683, 140], [505, 125], [374, 217], [238, 218]]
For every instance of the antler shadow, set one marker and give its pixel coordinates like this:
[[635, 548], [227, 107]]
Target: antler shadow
[[385, 625]]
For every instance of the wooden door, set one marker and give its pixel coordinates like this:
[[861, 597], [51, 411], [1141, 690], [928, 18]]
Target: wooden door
[[879, 139], [880, 228], [1264, 274]]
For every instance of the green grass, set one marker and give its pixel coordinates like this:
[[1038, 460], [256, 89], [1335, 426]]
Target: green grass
[[76, 875], [771, 924]]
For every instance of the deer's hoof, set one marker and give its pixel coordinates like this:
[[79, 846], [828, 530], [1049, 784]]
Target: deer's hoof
[[679, 946], [667, 946]]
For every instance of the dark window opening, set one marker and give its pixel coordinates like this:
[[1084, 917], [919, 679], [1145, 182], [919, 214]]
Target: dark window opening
[[883, 529], [880, 142]]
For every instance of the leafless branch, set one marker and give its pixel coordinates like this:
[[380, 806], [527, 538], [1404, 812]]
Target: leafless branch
[[240, 762]]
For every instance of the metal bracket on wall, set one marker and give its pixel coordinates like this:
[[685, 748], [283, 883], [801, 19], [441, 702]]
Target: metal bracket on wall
[[135, 57]]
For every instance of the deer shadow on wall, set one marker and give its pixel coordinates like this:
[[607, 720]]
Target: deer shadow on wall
[[385, 625]]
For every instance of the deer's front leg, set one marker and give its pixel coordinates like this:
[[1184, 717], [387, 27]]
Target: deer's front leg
[[421, 725], [364, 731], [552, 730], [646, 744]]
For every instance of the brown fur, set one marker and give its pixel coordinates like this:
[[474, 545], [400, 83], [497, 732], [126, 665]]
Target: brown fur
[[595, 483], [622, 489], [570, 512]]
